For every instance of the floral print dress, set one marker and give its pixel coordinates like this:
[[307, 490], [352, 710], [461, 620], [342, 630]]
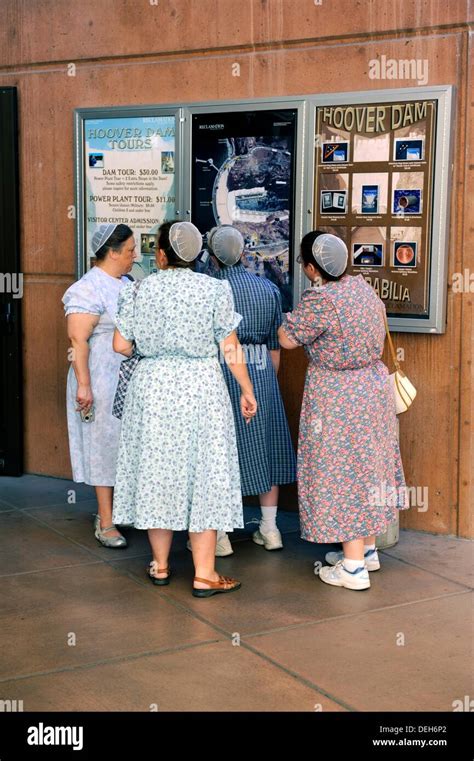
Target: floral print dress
[[178, 464], [350, 475]]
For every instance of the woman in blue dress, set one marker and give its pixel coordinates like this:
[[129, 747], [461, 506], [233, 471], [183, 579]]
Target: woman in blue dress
[[90, 305], [178, 465], [266, 454]]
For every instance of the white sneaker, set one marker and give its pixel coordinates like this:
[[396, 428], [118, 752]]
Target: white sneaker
[[271, 541], [338, 576], [223, 545], [371, 558]]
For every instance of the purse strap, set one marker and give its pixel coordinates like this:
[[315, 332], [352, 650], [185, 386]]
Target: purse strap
[[136, 286], [390, 342]]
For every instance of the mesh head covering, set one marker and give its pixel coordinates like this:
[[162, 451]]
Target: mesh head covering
[[101, 236], [186, 240], [330, 253], [227, 243]]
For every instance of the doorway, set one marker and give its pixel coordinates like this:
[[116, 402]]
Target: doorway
[[11, 291]]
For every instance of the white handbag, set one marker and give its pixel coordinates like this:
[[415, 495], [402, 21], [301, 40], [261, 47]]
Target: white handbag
[[404, 391]]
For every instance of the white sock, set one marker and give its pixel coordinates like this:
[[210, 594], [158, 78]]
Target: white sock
[[268, 520], [368, 547], [221, 535], [352, 565]]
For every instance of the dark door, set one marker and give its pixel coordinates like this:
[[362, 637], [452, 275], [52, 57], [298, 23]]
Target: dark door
[[11, 291]]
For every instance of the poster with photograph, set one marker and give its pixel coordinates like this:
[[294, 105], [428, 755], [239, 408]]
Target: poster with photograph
[[243, 167], [385, 167], [333, 201], [369, 193], [129, 179]]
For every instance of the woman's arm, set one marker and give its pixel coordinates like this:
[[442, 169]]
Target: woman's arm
[[79, 329], [285, 341], [121, 345], [235, 361]]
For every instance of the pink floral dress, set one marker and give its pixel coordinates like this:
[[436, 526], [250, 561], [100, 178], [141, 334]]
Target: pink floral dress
[[350, 475]]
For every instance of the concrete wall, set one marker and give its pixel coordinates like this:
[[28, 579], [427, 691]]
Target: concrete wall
[[140, 52]]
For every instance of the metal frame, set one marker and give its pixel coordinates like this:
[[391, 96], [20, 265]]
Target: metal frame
[[442, 171], [304, 176], [262, 104]]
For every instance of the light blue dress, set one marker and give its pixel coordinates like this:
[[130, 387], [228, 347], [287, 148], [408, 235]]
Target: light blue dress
[[178, 464], [93, 446]]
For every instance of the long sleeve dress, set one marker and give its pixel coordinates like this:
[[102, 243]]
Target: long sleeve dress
[[266, 454], [178, 464], [93, 446], [350, 475]]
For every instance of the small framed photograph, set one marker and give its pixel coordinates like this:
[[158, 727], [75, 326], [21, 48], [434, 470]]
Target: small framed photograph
[[367, 254], [326, 200], [404, 253], [408, 149], [333, 201], [147, 243], [407, 201], [335, 153], [370, 199], [167, 162], [152, 266], [96, 160]]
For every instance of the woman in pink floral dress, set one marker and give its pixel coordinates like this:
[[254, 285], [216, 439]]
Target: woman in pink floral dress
[[350, 475]]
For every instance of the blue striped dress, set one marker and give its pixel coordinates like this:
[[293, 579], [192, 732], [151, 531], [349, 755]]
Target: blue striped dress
[[266, 453]]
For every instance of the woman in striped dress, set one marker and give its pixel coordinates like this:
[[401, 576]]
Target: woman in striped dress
[[266, 454]]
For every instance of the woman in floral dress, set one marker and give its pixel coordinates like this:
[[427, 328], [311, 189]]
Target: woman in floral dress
[[348, 453], [178, 466]]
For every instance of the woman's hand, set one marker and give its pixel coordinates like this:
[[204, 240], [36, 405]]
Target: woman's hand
[[84, 397], [248, 405]]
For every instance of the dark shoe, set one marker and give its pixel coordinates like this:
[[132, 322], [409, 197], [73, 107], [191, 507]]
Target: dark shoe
[[153, 569], [225, 584]]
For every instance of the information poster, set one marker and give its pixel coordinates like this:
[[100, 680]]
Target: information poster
[[243, 166], [130, 179], [374, 188]]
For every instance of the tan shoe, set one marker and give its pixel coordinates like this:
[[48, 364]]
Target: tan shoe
[[223, 585], [153, 569]]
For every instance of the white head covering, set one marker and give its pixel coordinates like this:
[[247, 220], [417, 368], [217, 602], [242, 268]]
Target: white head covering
[[101, 236], [330, 253], [227, 243], [186, 240]]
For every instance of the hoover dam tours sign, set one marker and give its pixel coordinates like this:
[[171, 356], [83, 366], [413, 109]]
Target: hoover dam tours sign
[[375, 166], [129, 177]]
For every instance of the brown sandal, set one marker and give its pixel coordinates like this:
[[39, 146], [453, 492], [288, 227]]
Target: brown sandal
[[225, 584], [153, 568]]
